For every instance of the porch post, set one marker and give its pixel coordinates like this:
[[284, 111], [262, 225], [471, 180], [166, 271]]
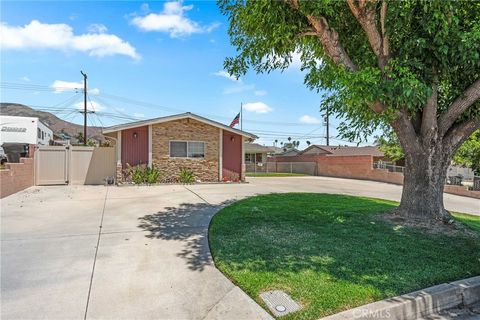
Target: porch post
[[242, 174], [220, 155], [150, 138], [119, 146], [118, 173]]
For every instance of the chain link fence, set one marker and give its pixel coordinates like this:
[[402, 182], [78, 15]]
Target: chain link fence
[[387, 166], [456, 176], [308, 168]]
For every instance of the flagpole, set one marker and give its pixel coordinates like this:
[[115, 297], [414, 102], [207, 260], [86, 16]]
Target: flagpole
[[241, 116]]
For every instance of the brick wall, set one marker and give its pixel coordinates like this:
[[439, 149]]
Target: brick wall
[[361, 167], [16, 177], [205, 169], [461, 191], [357, 167]]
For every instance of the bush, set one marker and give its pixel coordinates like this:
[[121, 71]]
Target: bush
[[141, 175], [186, 176], [151, 175]]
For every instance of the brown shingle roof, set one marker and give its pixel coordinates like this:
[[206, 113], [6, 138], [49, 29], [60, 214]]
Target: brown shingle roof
[[258, 148], [352, 151]]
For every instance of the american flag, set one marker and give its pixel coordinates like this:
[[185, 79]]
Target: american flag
[[235, 120]]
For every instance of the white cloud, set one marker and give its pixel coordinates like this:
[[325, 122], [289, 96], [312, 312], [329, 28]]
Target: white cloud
[[309, 120], [91, 106], [257, 107], [260, 93], [139, 115], [172, 20], [63, 86], [296, 61], [226, 75], [97, 28], [239, 86], [38, 35], [94, 91], [25, 78]]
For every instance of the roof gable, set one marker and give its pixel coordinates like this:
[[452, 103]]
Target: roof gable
[[180, 116], [321, 150]]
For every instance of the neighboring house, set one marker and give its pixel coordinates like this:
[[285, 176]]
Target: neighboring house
[[373, 151], [213, 151], [288, 153], [62, 138], [256, 153]]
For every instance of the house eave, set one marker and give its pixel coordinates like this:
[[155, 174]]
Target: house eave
[[187, 115]]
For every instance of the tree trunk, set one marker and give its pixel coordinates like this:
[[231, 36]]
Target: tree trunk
[[424, 179]]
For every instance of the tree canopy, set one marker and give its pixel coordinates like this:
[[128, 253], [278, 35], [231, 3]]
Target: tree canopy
[[409, 65], [397, 50]]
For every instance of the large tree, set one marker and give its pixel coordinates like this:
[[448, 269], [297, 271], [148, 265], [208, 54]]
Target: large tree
[[411, 65]]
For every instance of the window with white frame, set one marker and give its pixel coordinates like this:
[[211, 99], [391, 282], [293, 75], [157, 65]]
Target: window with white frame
[[249, 158], [187, 149]]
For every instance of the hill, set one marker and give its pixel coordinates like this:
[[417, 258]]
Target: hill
[[52, 121]]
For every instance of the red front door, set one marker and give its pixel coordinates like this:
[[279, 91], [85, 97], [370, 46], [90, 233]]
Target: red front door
[[232, 155], [135, 146]]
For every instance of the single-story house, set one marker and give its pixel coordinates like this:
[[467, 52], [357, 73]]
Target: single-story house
[[317, 150], [257, 153], [288, 153], [211, 150]]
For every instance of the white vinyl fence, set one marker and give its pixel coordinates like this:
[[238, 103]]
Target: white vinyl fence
[[74, 165]]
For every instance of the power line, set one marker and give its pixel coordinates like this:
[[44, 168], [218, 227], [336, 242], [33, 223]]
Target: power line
[[139, 103], [35, 87], [148, 105]]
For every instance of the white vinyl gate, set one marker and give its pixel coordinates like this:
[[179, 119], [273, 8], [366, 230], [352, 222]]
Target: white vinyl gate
[[57, 165]]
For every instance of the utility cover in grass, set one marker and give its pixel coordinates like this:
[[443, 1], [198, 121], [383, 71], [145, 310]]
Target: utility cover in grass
[[279, 303]]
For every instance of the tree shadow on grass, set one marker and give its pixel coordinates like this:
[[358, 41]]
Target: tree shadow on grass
[[188, 224], [343, 244]]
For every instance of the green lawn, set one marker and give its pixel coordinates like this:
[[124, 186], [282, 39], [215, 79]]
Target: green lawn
[[330, 253], [273, 174], [473, 222]]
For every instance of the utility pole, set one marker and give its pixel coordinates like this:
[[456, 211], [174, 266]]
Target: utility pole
[[84, 108]]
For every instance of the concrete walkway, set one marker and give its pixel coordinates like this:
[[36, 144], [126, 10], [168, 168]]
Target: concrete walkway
[[135, 252]]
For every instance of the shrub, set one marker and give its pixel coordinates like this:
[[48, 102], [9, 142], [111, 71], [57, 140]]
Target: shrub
[[140, 175], [151, 175], [186, 176], [137, 174]]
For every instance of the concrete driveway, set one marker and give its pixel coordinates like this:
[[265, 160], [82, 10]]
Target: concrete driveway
[[135, 252]]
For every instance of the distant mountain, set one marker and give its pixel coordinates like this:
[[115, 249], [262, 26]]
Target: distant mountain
[[52, 121]]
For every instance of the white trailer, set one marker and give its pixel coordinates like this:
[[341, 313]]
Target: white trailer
[[24, 130]]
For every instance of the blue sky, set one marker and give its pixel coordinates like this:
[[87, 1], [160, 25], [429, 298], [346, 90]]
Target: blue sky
[[146, 60]]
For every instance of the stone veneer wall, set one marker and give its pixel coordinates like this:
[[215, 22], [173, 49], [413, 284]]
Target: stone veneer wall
[[205, 169]]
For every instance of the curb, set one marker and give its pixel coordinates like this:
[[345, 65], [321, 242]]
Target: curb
[[417, 304]]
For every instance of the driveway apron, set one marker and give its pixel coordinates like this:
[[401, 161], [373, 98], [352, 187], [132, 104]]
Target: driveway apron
[[91, 252]]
